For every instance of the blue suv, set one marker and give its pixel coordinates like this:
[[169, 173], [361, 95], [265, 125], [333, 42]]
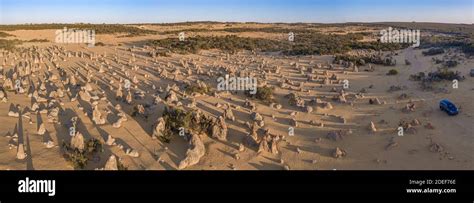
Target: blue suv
[[449, 107]]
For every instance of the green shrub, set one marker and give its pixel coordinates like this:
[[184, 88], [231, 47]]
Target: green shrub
[[93, 145], [264, 94], [203, 89], [433, 51], [392, 72], [79, 158], [175, 118]]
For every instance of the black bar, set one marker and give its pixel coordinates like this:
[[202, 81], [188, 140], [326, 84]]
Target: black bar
[[238, 185]]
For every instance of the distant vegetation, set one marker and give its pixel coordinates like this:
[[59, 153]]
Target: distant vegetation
[[294, 28], [379, 46], [308, 40], [38, 40], [442, 41], [185, 30], [363, 59], [304, 44], [99, 28], [4, 34], [186, 23], [439, 75], [445, 28], [227, 43], [268, 29], [453, 35], [317, 43], [244, 29], [463, 42], [9, 44]]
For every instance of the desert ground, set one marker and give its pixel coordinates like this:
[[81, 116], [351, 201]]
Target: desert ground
[[313, 121]]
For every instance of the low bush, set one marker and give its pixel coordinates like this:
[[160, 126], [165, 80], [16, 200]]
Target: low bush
[[79, 158], [264, 94], [177, 118], [433, 51], [392, 72]]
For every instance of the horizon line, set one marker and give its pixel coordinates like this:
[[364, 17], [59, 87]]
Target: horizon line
[[237, 22]]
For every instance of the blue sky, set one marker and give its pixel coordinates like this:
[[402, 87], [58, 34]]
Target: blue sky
[[162, 11]]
